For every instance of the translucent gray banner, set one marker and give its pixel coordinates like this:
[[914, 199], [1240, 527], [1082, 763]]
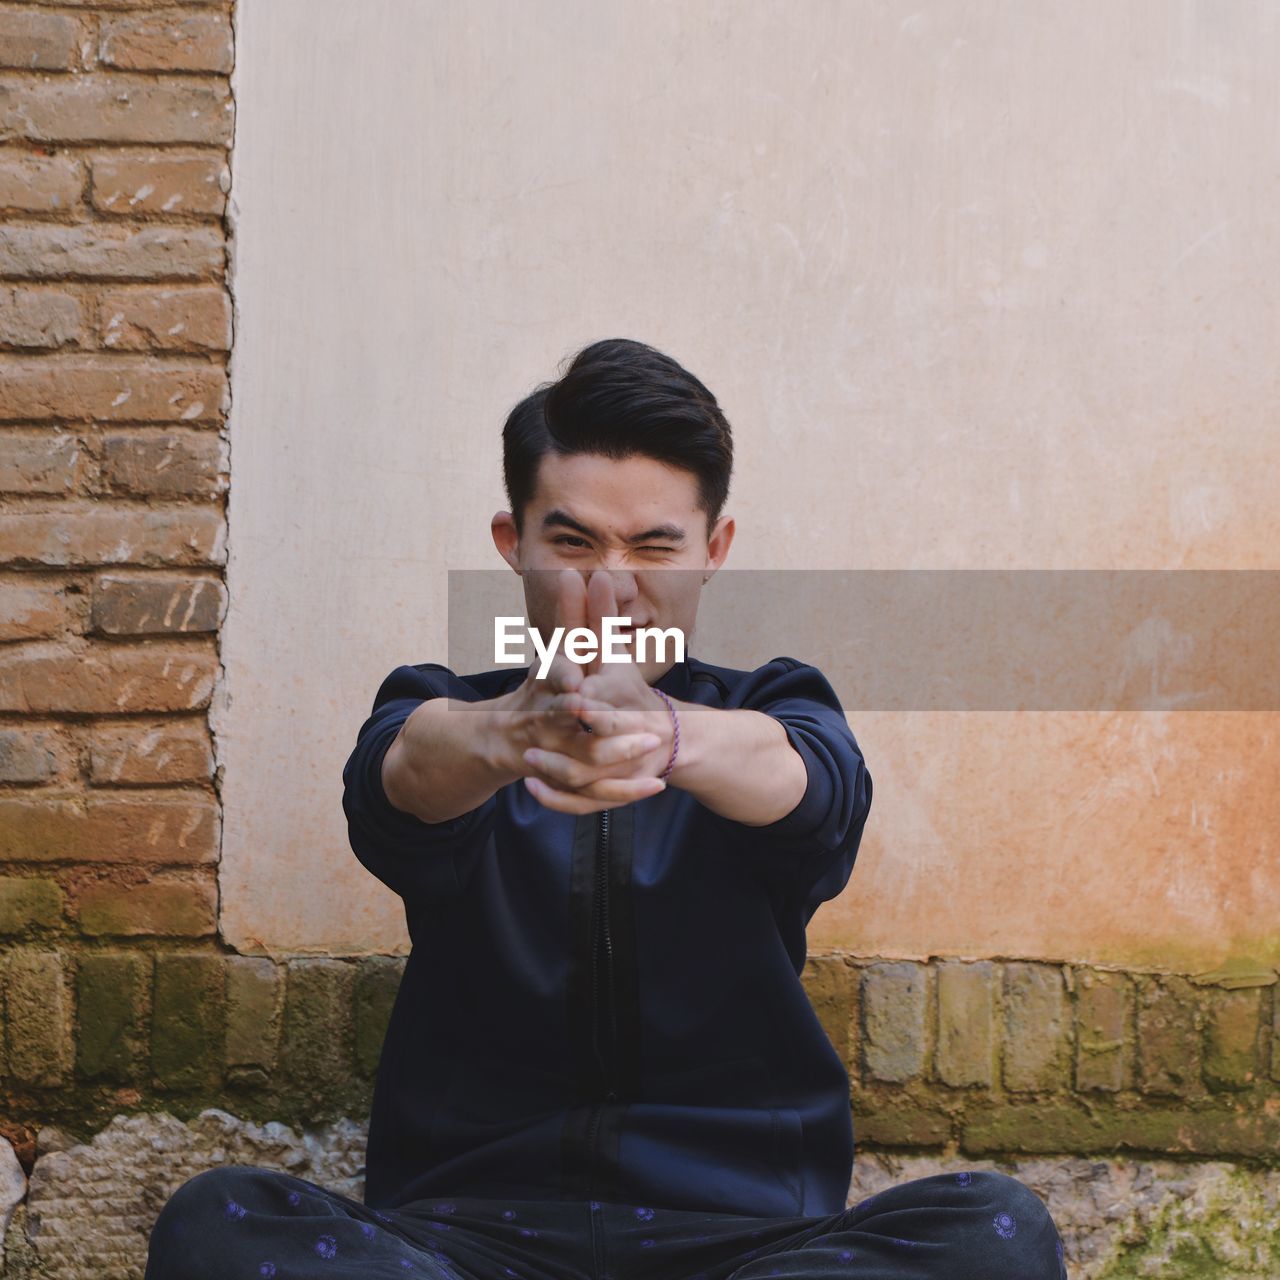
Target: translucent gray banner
[[945, 640]]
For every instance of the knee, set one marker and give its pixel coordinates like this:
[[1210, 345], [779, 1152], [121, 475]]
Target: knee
[[1013, 1193], [177, 1242], [224, 1192], [1020, 1225]]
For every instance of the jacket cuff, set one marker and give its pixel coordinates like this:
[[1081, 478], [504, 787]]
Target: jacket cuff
[[385, 820], [805, 821]]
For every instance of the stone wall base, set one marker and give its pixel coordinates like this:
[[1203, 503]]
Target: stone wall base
[[88, 1207]]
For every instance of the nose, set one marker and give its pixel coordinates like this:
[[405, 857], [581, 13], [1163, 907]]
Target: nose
[[625, 589]]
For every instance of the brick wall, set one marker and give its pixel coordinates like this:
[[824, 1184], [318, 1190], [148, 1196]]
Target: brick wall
[[993, 1057], [984, 1058], [115, 323]]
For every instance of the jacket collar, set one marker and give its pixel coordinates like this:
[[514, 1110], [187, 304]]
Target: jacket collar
[[675, 680]]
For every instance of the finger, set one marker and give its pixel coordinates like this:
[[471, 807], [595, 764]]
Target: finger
[[603, 795], [575, 772], [563, 674], [603, 718], [564, 802], [606, 752], [617, 790], [571, 723], [561, 714], [571, 604], [616, 686], [602, 602]]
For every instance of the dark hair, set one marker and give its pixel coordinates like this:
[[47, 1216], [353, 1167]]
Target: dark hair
[[620, 398]]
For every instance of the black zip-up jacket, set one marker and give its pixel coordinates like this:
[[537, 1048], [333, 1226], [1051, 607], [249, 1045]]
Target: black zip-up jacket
[[609, 1006]]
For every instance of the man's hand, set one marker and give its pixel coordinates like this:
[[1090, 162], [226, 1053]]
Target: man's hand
[[451, 755], [587, 740]]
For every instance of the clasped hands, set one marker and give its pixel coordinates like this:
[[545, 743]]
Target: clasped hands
[[588, 737]]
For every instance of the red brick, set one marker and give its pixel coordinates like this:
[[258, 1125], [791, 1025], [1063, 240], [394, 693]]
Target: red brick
[[167, 42], [154, 605], [112, 828], [40, 317], [34, 40], [197, 318], [113, 535], [46, 462], [155, 752], [136, 4], [115, 108], [98, 251], [158, 907], [110, 389], [28, 755], [163, 183], [34, 609], [164, 463], [107, 680], [39, 184], [27, 902]]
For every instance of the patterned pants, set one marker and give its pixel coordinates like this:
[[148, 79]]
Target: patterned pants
[[242, 1222]]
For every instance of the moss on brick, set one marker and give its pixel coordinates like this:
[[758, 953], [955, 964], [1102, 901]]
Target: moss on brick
[[316, 1052], [187, 1035], [36, 1016], [111, 997], [26, 902], [1234, 1038], [377, 984], [253, 987], [1068, 1125], [299, 1041], [885, 1116], [829, 982]]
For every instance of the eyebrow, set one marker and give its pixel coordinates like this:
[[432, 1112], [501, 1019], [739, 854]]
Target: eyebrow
[[556, 517]]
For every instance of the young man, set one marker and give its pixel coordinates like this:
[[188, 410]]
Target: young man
[[602, 1061]]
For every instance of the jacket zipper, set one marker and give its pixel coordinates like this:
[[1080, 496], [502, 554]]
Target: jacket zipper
[[601, 936]]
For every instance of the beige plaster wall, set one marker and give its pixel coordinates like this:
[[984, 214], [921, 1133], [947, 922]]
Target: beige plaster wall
[[981, 285]]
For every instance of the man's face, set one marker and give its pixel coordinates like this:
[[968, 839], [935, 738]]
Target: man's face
[[635, 517]]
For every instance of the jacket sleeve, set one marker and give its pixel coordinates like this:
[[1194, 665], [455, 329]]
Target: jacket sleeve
[[811, 850], [412, 857]]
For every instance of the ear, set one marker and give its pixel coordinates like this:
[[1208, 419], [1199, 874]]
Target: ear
[[505, 538], [719, 542]]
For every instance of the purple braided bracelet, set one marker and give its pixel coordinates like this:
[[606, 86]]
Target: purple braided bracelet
[[675, 742]]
